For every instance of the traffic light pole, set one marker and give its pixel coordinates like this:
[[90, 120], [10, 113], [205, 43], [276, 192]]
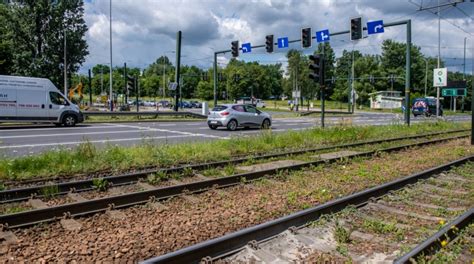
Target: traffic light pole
[[126, 82], [90, 89], [178, 69], [215, 78]]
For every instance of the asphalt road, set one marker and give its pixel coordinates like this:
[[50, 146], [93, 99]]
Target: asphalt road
[[24, 141]]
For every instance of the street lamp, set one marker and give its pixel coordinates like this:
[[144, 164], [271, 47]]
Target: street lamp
[[426, 73]]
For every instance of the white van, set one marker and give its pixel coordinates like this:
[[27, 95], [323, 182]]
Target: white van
[[26, 99]]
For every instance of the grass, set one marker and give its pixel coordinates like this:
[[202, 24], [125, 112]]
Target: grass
[[86, 158], [100, 184], [50, 191]]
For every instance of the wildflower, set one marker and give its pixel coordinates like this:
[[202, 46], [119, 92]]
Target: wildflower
[[442, 222], [444, 243]]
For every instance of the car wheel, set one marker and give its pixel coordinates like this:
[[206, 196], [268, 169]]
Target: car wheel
[[266, 124], [213, 127], [232, 125], [69, 121]]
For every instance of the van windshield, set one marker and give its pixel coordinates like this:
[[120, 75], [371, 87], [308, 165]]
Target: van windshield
[[57, 98]]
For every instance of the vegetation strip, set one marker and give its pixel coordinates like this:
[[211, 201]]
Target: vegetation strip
[[126, 200], [434, 242], [222, 246], [21, 194], [88, 159]]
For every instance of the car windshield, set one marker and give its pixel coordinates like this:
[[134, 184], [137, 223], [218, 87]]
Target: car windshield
[[219, 108]]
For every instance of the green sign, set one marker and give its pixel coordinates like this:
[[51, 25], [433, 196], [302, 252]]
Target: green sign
[[454, 92]]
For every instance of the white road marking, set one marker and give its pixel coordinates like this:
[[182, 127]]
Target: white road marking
[[172, 131], [91, 141], [72, 134], [52, 128]]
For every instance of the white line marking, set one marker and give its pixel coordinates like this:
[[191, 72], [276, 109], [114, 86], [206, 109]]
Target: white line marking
[[73, 134], [172, 131], [51, 128], [99, 141]]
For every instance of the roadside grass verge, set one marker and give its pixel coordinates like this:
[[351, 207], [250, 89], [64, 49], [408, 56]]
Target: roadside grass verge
[[86, 158]]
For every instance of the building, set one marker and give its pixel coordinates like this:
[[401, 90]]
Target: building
[[386, 100]]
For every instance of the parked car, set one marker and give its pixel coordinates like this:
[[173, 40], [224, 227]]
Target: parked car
[[251, 101], [425, 106], [184, 104], [149, 103], [164, 103], [134, 102], [195, 104], [232, 116], [35, 100]]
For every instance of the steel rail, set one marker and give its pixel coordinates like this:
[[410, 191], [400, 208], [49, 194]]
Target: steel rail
[[227, 244], [36, 216], [22, 194], [433, 243]]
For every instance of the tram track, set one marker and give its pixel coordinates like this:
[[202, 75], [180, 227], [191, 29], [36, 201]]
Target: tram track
[[368, 226], [87, 207], [38, 189]]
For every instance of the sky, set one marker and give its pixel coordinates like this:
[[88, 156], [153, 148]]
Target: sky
[[144, 30]]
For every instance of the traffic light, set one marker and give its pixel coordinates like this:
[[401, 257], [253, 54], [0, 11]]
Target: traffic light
[[130, 83], [269, 43], [306, 37], [235, 48], [315, 67], [356, 28]]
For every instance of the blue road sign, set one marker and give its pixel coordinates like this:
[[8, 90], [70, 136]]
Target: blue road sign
[[246, 47], [322, 36], [283, 42], [375, 27]]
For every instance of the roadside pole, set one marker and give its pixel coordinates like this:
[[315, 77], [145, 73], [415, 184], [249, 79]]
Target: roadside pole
[[90, 88], [322, 83], [125, 81], [135, 83], [178, 69], [472, 98], [215, 78], [408, 74]]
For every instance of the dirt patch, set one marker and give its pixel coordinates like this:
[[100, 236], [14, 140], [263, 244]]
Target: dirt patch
[[270, 165]]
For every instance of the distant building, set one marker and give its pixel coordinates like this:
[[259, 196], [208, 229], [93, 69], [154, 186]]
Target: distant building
[[386, 100]]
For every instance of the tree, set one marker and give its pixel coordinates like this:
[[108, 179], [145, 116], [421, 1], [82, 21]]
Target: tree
[[6, 44], [39, 28]]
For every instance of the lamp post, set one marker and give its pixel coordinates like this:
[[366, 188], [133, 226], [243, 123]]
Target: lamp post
[[111, 97], [426, 74]]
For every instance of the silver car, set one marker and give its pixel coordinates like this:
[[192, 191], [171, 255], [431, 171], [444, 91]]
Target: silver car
[[238, 115]]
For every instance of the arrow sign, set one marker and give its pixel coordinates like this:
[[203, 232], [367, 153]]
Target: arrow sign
[[322, 36], [375, 27], [283, 42], [246, 47]]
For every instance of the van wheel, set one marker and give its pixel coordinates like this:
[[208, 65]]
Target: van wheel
[[69, 121], [232, 125]]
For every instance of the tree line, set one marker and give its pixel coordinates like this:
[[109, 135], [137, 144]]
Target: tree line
[[32, 44]]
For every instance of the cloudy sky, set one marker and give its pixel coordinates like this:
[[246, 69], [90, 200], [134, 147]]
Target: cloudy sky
[[146, 29]]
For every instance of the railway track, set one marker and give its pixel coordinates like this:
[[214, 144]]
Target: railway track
[[376, 225], [39, 189], [85, 207]]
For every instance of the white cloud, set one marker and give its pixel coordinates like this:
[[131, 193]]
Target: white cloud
[[144, 30]]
